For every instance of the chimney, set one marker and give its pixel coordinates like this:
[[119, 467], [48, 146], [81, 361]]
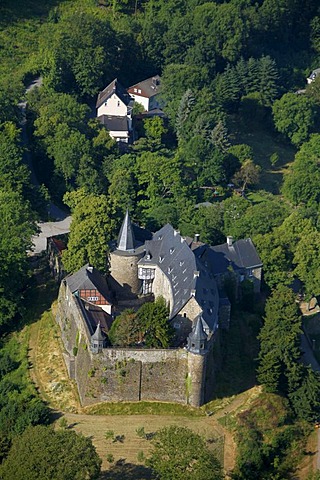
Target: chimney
[[90, 269], [196, 237], [229, 241], [176, 232]]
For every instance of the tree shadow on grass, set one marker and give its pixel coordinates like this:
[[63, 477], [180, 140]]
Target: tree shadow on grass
[[128, 471]]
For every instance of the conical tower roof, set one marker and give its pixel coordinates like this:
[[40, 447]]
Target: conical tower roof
[[126, 240], [98, 334], [198, 333]]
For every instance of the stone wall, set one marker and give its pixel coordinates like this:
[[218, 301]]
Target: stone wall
[[124, 271], [117, 374], [161, 287]]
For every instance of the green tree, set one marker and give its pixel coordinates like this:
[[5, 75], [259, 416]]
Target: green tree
[[305, 400], [249, 174], [181, 454], [16, 228], [125, 330], [295, 117], [90, 232], [280, 369], [306, 259], [233, 209], [277, 261], [154, 129], [153, 322], [77, 51], [302, 184], [41, 453]]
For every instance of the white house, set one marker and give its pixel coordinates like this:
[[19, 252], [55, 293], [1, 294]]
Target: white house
[[117, 127], [114, 110], [145, 93], [315, 73]]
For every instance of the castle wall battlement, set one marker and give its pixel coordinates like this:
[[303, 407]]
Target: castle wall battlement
[[126, 374]]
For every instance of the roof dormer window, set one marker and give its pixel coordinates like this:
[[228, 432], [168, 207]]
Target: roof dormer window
[[171, 251], [161, 259]]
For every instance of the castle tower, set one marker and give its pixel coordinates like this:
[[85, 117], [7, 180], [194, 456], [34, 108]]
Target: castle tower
[[197, 350], [124, 262], [126, 240], [97, 340]]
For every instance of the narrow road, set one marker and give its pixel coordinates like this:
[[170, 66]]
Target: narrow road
[[63, 220], [308, 357]]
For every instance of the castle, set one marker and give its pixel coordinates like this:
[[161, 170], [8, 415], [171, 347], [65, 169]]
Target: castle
[[189, 276]]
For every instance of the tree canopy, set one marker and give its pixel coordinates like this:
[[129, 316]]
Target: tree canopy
[[180, 453], [42, 453]]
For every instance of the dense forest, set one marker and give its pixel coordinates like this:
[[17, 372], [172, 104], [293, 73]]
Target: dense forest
[[237, 154]]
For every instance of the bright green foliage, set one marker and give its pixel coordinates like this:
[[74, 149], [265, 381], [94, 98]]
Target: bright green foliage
[[90, 232], [280, 369], [41, 453], [16, 228], [13, 173], [77, 52], [302, 184], [181, 454], [153, 323], [154, 129], [233, 210], [257, 218], [158, 176], [207, 221], [150, 325], [306, 258], [277, 264], [295, 116]]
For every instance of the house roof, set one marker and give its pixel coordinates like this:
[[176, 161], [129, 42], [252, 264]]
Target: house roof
[[94, 316], [198, 332], [314, 74], [118, 89], [242, 254], [147, 88], [98, 334], [187, 276], [114, 123], [126, 240], [88, 278]]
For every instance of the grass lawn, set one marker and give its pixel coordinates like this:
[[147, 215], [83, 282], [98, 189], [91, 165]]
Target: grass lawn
[[264, 143]]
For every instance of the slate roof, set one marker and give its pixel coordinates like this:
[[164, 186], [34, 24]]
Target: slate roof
[[114, 123], [98, 334], [126, 240], [198, 332], [149, 87], [314, 74], [118, 89], [95, 315], [240, 255], [88, 278], [187, 276]]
